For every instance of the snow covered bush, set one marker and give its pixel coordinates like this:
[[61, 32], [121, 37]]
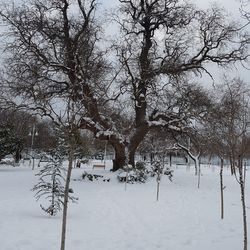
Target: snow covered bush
[[137, 174], [126, 174], [51, 186], [158, 168], [92, 177], [169, 173], [140, 173]]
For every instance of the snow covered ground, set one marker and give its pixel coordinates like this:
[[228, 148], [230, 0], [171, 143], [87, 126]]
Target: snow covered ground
[[107, 217]]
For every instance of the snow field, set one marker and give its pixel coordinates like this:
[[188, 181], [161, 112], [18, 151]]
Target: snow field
[[107, 217]]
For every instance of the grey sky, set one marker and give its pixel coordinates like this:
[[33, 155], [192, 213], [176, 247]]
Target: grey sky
[[232, 6]]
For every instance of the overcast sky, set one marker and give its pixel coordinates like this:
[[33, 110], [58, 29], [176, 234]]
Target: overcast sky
[[232, 6]]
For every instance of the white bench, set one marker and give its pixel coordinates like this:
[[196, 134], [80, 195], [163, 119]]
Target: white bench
[[99, 165]]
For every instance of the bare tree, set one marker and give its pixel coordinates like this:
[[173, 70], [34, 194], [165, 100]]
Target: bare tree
[[50, 66], [231, 121], [163, 41], [53, 52], [216, 130], [193, 143]]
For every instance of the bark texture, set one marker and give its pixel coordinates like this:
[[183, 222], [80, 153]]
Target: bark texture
[[66, 200]]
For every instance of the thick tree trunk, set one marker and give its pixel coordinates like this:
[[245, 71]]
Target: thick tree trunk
[[135, 141], [221, 188], [120, 157], [18, 155], [66, 199], [123, 156], [131, 159]]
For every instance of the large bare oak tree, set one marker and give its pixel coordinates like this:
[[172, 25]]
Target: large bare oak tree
[[54, 53]]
